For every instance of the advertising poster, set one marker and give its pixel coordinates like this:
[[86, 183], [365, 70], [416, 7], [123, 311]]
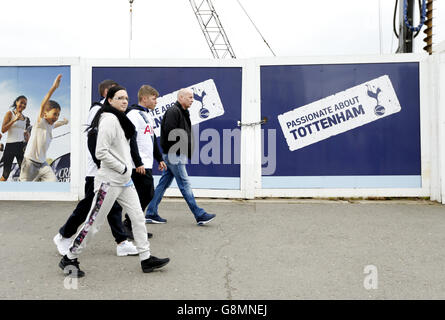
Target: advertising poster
[[22, 90], [214, 114], [341, 125]]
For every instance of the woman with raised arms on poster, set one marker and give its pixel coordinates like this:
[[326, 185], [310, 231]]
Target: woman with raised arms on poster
[[34, 166]]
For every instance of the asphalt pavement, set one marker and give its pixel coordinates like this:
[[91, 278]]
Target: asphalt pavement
[[284, 249]]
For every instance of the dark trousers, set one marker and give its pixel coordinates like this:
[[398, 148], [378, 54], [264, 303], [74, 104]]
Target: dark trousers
[[144, 188], [80, 214], [12, 150]]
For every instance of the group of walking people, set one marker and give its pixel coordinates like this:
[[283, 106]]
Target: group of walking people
[[122, 148]]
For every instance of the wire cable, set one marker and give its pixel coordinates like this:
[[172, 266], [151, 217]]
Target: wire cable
[[256, 28], [61, 135], [422, 16]]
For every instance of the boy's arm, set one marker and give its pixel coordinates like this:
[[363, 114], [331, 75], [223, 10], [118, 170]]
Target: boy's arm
[[135, 156], [61, 123], [157, 154], [134, 149], [48, 96]]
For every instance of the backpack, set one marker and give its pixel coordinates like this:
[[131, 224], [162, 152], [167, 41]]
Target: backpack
[[92, 139], [96, 104], [92, 142]]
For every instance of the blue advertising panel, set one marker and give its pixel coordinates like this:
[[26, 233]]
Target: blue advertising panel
[[215, 163], [342, 125]]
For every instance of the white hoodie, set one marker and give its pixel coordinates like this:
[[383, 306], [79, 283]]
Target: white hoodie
[[113, 151]]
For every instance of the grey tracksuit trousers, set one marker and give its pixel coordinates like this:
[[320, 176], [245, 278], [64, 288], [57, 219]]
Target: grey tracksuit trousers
[[105, 196]]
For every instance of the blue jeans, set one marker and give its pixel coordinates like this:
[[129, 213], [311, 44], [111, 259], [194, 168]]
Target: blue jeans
[[175, 169]]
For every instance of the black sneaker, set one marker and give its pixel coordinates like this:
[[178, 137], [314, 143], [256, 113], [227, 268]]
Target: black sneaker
[[71, 267], [205, 218], [130, 236], [148, 265], [154, 218]]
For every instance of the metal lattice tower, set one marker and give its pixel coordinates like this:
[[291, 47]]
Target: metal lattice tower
[[212, 28]]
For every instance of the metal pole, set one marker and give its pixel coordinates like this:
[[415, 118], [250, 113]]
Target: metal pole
[[131, 27], [380, 27], [405, 34]]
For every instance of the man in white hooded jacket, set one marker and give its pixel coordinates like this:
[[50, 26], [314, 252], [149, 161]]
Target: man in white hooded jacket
[[113, 183]]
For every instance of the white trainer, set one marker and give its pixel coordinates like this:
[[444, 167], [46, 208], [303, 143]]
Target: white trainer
[[126, 248], [63, 244]]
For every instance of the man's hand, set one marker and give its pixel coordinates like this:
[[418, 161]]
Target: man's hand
[[140, 170], [162, 166], [65, 121]]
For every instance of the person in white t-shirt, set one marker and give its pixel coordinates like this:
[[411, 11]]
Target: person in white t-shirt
[[14, 123], [34, 165], [144, 147]]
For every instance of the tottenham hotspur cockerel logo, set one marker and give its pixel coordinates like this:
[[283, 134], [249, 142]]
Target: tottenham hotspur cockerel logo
[[203, 112], [378, 110]]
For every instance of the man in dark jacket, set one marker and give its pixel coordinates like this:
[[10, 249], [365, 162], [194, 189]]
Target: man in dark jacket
[[176, 143]]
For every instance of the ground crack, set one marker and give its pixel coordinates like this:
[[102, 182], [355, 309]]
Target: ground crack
[[227, 284], [227, 281]]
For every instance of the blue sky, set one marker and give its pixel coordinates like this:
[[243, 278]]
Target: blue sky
[[34, 83]]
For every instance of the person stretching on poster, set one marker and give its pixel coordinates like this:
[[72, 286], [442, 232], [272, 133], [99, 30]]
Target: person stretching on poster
[[34, 165], [176, 143], [112, 183]]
